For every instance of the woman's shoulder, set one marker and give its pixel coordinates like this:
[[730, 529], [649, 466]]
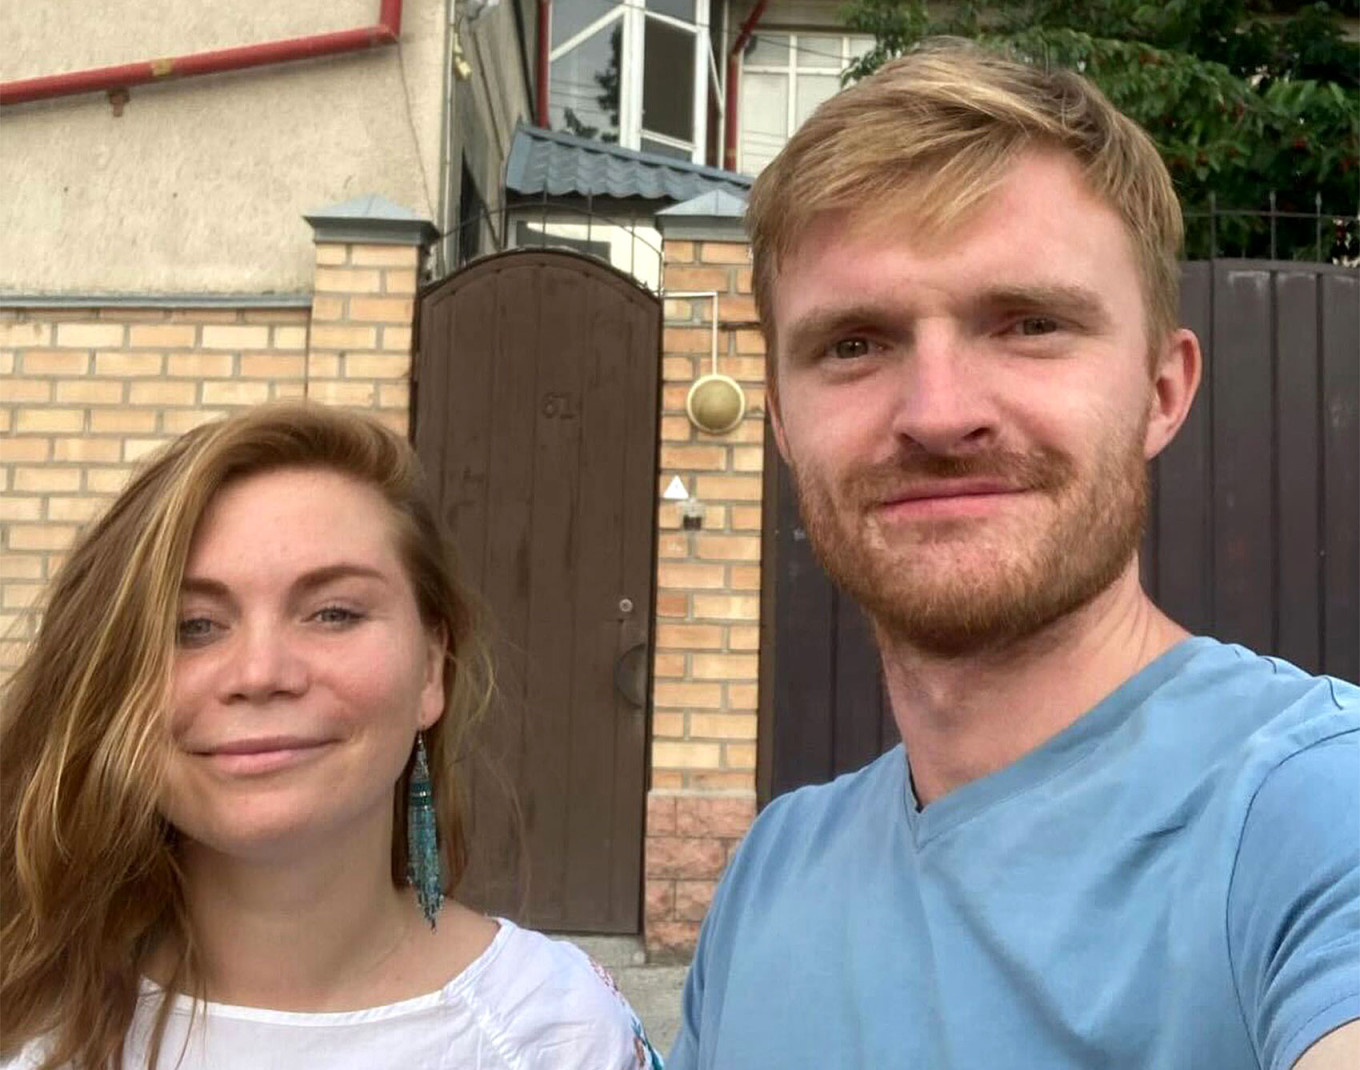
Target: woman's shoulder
[[551, 1004]]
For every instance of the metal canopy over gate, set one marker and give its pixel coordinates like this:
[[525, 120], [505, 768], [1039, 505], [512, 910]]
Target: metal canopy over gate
[[536, 419], [1253, 533]]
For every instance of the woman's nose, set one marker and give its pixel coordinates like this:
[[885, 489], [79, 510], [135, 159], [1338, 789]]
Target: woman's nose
[[263, 663]]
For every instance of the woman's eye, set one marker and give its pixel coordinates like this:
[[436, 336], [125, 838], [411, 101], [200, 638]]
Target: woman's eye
[[1035, 325], [849, 348], [337, 616], [194, 631]]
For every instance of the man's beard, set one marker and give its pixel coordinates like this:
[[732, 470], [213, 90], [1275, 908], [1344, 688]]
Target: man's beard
[[958, 586]]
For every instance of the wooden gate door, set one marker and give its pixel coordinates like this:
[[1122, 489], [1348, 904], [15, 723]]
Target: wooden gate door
[[536, 420]]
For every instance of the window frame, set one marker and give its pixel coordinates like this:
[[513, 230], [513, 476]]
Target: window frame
[[791, 71], [634, 15]]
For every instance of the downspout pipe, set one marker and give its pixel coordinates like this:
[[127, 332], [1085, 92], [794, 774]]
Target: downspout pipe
[[733, 84], [98, 79], [544, 47]]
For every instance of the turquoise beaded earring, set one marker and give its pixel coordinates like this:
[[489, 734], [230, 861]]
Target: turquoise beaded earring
[[423, 871]]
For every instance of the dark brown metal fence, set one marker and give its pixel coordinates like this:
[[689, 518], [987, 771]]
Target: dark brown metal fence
[[1254, 528]]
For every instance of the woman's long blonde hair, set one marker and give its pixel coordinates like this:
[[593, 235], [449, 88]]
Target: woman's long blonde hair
[[89, 882]]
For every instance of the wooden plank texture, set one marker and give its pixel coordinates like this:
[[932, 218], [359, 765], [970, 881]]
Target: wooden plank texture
[[1243, 441], [1340, 418], [1298, 477], [803, 740], [1184, 474], [858, 735], [541, 425]]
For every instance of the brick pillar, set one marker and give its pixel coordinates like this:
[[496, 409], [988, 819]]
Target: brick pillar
[[368, 261], [706, 668]]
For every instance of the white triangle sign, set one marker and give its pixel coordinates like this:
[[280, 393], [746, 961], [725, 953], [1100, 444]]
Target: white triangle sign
[[675, 491]]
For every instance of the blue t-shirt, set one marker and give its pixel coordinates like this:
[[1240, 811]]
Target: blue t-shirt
[[1171, 882]]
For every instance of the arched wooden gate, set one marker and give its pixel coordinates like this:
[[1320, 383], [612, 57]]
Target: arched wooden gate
[[536, 419]]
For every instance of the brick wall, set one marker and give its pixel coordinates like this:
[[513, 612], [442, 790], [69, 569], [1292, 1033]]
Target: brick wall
[[708, 601], [87, 393], [690, 839], [362, 312]]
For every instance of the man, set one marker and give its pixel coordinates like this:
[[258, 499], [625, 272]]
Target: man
[[1106, 844]]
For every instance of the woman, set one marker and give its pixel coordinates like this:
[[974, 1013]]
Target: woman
[[226, 786]]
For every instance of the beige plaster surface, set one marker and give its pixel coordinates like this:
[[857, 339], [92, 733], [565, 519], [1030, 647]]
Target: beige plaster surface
[[200, 185], [63, 35]]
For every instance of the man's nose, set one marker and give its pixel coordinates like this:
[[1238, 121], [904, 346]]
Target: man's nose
[[264, 662], [943, 403]]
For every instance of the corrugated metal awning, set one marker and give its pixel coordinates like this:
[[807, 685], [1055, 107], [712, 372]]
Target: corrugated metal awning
[[544, 161]]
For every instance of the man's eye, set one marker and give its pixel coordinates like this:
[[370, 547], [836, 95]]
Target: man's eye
[[1034, 325], [849, 348]]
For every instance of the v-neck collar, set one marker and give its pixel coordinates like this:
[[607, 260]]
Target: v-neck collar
[[1049, 758]]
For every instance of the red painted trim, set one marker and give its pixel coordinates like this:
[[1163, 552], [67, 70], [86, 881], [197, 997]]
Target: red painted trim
[[97, 79], [389, 16], [544, 47], [734, 85]]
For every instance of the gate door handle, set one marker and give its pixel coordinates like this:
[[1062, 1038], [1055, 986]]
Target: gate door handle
[[630, 675]]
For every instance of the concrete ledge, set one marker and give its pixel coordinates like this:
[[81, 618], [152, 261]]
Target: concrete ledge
[[371, 220], [713, 216], [154, 300]]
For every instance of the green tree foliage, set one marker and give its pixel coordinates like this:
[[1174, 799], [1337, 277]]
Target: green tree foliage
[[1244, 98]]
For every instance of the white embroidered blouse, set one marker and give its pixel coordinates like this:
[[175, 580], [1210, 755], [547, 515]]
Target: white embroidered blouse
[[526, 1003]]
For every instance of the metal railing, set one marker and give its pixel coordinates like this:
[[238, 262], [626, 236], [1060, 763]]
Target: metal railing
[[546, 222], [1275, 233]]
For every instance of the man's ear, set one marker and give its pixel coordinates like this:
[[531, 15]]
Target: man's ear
[[1175, 381], [432, 697]]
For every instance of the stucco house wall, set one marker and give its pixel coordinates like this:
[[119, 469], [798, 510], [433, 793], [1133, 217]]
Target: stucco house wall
[[200, 184]]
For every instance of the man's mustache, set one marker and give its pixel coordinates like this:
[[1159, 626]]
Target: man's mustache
[[1034, 470]]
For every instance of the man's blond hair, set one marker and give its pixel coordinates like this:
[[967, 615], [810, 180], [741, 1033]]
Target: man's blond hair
[[933, 132]]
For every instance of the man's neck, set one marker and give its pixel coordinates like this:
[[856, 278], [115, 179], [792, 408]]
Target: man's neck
[[966, 717]]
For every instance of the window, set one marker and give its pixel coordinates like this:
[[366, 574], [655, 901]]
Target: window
[[637, 73], [717, 61], [784, 77], [584, 85], [668, 82], [676, 9], [472, 218], [570, 17]]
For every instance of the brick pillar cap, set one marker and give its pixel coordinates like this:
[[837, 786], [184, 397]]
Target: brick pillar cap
[[713, 216], [370, 220]]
